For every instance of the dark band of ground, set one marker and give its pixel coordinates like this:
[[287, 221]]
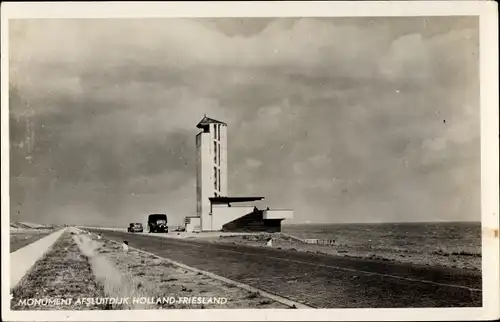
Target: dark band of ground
[[321, 281], [20, 240]]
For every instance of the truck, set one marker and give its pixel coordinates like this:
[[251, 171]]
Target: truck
[[157, 223]]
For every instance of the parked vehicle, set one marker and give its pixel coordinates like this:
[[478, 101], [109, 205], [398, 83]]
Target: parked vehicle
[[157, 223], [135, 228]]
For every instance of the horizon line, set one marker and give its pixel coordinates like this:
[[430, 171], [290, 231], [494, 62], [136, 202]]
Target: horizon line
[[383, 222]]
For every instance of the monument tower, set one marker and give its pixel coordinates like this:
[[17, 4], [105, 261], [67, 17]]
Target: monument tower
[[214, 208], [211, 166]]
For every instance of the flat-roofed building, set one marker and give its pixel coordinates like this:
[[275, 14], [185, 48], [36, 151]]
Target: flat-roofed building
[[214, 208]]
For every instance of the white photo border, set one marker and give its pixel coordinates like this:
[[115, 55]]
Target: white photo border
[[486, 10]]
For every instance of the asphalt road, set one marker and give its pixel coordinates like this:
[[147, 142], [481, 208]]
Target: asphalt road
[[320, 281]]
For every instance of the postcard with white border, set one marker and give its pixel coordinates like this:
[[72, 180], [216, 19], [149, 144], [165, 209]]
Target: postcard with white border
[[250, 161]]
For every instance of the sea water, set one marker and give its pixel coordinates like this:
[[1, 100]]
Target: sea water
[[430, 237]]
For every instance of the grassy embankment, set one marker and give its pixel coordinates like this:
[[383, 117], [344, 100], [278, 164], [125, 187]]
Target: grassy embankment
[[62, 273]]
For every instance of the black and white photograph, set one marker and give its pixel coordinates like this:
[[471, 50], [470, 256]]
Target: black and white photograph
[[190, 165]]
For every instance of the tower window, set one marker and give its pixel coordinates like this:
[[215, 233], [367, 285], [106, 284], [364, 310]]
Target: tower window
[[215, 178], [219, 178], [215, 129], [215, 152], [218, 132]]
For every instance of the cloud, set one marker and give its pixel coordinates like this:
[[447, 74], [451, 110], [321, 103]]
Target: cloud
[[340, 119], [253, 163]]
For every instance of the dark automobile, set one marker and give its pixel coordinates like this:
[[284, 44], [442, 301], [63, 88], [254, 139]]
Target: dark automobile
[[135, 228], [157, 223]]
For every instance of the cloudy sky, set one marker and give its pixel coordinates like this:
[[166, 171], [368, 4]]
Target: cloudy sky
[[341, 119]]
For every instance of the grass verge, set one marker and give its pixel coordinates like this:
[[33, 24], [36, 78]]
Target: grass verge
[[57, 280]]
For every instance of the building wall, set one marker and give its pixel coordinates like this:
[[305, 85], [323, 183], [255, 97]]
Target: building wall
[[223, 160], [198, 174], [218, 150], [205, 178], [278, 214], [193, 224], [222, 214], [253, 222]]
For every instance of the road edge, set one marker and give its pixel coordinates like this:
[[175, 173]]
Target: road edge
[[23, 259]]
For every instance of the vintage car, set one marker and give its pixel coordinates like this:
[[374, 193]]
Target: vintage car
[[157, 223], [135, 228]]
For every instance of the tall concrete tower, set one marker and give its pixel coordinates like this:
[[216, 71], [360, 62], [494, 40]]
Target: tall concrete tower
[[211, 181]]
